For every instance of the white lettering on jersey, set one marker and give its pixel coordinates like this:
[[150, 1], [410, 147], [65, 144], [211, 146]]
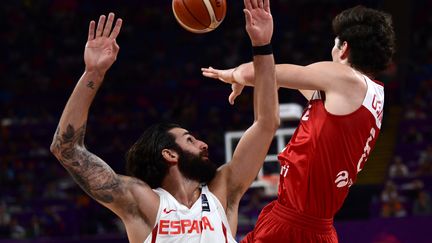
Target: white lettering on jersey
[[342, 179], [284, 170], [366, 151], [378, 105], [305, 117], [184, 226], [374, 100]]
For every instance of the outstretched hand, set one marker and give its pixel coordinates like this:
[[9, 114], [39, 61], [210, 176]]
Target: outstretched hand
[[101, 49], [226, 76], [259, 26], [259, 21]]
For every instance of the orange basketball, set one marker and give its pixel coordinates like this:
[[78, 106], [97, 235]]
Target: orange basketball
[[199, 16]]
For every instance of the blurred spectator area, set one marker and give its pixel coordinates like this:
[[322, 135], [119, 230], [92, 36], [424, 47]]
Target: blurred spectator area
[[157, 78]]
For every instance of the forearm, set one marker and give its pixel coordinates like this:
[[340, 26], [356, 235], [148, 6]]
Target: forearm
[[245, 74], [76, 110], [89, 171], [253, 147], [265, 91]]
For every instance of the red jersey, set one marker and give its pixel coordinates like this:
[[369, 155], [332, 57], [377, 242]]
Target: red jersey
[[326, 152]]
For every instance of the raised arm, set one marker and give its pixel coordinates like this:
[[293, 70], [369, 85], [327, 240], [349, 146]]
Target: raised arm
[[344, 87], [92, 174], [325, 76], [252, 148], [287, 76]]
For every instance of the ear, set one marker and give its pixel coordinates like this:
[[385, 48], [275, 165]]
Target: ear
[[170, 155], [344, 51]]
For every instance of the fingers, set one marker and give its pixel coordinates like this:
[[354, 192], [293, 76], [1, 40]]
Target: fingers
[[91, 34], [267, 6], [108, 25], [255, 3], [248, 4], [100, 25], [248, 17], [252, 4], [104, 29], [116, 29], [210, 72]]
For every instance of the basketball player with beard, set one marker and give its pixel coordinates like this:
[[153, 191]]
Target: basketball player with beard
[[173, 192]]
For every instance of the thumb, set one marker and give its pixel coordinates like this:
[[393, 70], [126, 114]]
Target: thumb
[[248, 17], [115, 46], [236, 91], [232, 97]]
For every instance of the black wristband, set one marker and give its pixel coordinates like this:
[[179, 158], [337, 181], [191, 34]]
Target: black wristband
[[262, 50]]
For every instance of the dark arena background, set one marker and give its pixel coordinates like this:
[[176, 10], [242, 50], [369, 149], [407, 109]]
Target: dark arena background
[[157, 77]]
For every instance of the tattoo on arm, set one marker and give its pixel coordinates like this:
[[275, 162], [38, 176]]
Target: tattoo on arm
[[93, 175], [91, 84]]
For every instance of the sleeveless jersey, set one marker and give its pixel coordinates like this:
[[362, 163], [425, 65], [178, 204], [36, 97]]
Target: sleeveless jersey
[[204, 222], [326, 152]]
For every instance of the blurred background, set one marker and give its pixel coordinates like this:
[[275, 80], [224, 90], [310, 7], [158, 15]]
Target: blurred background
[[157, 78]]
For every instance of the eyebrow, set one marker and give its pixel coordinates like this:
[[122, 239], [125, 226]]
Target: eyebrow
[[186, 133]]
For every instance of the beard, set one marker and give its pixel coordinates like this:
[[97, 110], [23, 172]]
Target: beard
[[196, 167]]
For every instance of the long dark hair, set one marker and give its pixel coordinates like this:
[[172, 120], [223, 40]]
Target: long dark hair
[[144, 159], [370, 37]]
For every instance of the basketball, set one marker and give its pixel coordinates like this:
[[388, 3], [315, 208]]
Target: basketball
[[199, 16]]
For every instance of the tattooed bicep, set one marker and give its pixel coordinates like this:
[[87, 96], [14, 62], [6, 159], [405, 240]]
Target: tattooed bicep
[[92, 174], [95, 177]]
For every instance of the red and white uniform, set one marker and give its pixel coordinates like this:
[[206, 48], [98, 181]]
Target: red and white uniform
[[204, 222], [318, 166], [326, 152]]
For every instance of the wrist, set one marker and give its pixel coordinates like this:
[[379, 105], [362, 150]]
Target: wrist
[[266, 49], [261, 43], [94, 72], [233, 74]]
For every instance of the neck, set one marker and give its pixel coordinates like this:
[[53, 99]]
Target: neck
[[369, 75], [184, 190]]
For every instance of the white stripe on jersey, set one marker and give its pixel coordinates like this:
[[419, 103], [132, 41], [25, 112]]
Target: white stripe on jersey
[[374, 100]]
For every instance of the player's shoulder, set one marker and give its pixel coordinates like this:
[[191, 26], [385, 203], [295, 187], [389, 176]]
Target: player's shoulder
[[219, 185], [137, 188], [140, 200], [328, 64], [334, 70]]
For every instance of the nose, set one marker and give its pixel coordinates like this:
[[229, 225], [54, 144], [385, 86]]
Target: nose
[[203, 145]]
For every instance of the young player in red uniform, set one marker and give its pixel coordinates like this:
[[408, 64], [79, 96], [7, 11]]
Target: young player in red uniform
[[337, 131]]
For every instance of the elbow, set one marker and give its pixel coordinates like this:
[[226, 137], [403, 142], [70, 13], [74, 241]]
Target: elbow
[[61, 152], [58, 151], [270, 124], [55, 148], [275, 123]]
